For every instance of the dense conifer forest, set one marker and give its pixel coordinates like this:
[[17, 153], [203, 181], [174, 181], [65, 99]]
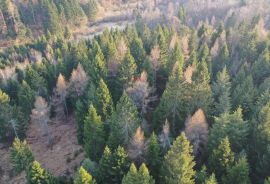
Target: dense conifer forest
[[178, 95]]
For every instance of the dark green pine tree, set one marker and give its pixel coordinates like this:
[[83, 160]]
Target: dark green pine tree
[[262, 142], [179, 163], [91, 9], [233, 126], [221, 159], [26, 97], [222, 60], [104, 100], [98, 68], [202, 93], [244, 92], [132, 176], [83, 177], [176, 57], [138, 52], [138, 177], [204, 52], [153, 156], [36, 81], [105, 164], [124, 122], [127, 70], [80, 112], [94, 135], [37, 175], [175, 102], [261, 68], [163, 60], [239, 173], [193, 59], [50, 12], [221, 93], [201, 175], [113, 166]]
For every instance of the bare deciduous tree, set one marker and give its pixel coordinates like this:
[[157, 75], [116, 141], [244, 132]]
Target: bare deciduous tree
[[78, 81], [136, 148], [196, 131], [59, 97], [140, 92], [41, 115]]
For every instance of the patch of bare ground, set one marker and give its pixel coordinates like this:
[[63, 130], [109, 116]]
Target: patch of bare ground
[[65, 155], [62, 159]]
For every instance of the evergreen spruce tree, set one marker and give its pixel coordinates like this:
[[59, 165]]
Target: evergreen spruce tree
[[221, 92], [105, 164], [104, 100], [138, 52], [36, 81], [145, 177], [262, 142], [153, 156], [202, 94], [239, 173], [178, 163], [80, 112], [201, 175], [37, 175], [127, 70], [132, 176], [21, 155], [91, 9], [83, 177], [233, 126], [222, 60], [244, 94], [94, 135], [222, 158], [26, 97], [98, 68], [113, 166], [124, 122], [138, 177]]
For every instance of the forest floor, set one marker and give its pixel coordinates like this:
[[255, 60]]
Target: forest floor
[[62, 158]]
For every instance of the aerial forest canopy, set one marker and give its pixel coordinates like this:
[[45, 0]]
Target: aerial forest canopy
[[135, 92]]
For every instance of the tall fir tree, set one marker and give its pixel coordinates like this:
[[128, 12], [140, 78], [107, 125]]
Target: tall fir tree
[[222, 158], [26, 97], [113, 166], [94, 135], [127, 70], [178, 166], [138, 177], [239, 173], [233, 126], [21, 155], [124, 122], [153, 156], [221, 93], [104, 100], [138, 52]]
